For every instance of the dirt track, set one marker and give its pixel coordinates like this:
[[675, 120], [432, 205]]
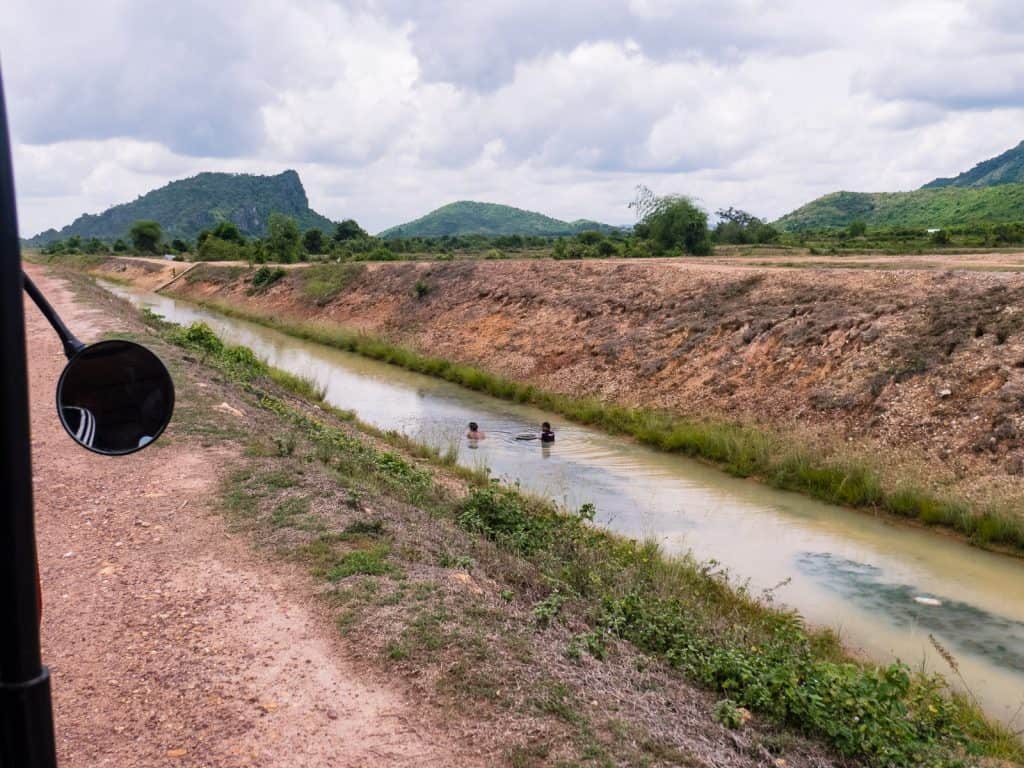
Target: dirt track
[[170, 641]]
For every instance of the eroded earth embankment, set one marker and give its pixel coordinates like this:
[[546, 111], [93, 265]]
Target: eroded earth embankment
[[920, 371]]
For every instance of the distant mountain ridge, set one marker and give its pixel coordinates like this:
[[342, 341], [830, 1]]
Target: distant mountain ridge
[[990, 193], [467, 217], [184, 208], [1007, 168]]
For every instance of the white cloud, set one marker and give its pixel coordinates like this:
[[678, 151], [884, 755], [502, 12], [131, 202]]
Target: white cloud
[[389, 108]]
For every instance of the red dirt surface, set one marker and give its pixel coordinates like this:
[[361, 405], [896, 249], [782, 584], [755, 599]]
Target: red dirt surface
[[170, 641]]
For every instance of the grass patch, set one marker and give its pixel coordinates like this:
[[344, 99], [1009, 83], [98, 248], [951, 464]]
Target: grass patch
[[322, 282], [371, 562]]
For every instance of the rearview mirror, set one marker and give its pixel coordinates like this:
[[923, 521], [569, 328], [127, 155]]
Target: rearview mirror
[[115, 397]]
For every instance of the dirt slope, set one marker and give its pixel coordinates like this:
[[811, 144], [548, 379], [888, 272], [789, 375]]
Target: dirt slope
[[921, 368], [170, 641]]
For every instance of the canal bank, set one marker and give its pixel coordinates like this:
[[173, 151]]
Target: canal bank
[[885, 589]]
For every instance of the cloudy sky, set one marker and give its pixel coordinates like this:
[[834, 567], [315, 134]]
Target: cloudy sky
[[389, 108]]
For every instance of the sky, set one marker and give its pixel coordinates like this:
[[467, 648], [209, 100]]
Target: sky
[[391, 108]]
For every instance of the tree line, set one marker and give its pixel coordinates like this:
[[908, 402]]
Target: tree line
[[668, 225]]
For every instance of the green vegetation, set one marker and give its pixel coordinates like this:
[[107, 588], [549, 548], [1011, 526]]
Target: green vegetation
[[990, 193], [313, 241], [741, 450], [284, 241], [322, 282], [736, 227], [470, 218], [1007, 168], [922, 209], [671, 223], [264, 277], [184, 208], [682, 614], [146, 236]]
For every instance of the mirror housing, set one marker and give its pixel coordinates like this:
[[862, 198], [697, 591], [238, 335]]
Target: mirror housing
[[115, 397]]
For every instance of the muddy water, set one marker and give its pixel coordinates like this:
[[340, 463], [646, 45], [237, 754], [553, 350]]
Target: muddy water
[[885, 588]]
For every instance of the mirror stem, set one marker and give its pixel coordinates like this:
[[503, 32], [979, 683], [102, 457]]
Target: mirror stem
[[71, 344]]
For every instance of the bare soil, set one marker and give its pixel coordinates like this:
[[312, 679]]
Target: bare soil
[[170, 641]]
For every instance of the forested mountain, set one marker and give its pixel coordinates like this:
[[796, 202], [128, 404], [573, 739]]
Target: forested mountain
[[923, 208], [1008, 168], [990, 193], [185, 207], [471, 218]]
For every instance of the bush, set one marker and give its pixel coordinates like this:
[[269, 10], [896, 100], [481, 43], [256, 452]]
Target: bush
[[200, 336], [421, 289], [266, 277]]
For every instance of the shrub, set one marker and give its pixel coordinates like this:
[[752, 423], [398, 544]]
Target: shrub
[[421, 289], [265, 277], [200, 336]]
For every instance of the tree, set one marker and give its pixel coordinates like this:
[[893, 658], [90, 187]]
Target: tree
[[858, 228], [120, 246], [145, 236], [179, 246], [736, 216], [283, 241], [313, 241], [227, 230], [348, 230], [672, 222], [94, 245], [216, 249]]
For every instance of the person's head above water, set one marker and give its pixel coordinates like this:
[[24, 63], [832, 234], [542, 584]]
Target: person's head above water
[[546, 426], [473, 426]]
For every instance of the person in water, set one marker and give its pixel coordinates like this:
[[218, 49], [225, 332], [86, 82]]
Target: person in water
[[547, 435], [474, 432]]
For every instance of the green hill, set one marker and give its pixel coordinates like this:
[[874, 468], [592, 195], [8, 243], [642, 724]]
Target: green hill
[[470, 218], [924, 208], [990, 193], [1008, 168], [185, 207]]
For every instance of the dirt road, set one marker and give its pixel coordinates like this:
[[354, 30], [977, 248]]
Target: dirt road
[[173, 643]]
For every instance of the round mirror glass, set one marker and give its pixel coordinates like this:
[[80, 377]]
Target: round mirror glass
[[115, 397]]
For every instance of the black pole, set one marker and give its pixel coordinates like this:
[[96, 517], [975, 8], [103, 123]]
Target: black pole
[[71, 345], [26, 716]]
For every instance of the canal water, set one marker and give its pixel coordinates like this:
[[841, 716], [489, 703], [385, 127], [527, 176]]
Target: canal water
[[883, 587]]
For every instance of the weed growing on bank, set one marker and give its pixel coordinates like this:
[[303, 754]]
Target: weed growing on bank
[[741, 450], [759, 658]]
